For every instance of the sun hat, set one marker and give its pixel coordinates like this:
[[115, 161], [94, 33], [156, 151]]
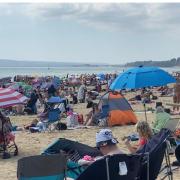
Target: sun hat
[[105, 137]]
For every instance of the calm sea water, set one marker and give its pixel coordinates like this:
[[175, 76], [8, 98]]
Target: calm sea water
[[61, 71]]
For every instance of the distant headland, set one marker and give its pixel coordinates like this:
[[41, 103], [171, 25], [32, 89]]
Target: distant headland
[[167, 63]]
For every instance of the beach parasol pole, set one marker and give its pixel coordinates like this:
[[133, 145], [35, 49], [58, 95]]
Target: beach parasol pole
[[145, 111]]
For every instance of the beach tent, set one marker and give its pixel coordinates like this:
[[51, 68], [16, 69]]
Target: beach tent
[[116, 109]]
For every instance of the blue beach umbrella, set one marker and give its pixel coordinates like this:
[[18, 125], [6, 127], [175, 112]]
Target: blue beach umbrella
[[101, 76], [141, 77]]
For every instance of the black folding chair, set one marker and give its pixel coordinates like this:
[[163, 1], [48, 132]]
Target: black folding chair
[[115, 167], [74, 149], [155, 151], [42, 167]]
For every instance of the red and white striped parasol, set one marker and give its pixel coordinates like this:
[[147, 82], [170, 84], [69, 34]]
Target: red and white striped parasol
[[9, 97]]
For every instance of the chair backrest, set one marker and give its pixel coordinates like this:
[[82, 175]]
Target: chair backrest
[[172, 124], [54, 115], [116, 167], [155, 148], [78, 150], [46, 167]]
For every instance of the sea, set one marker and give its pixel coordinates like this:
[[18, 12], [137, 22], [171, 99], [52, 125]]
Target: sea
[[63, 71]]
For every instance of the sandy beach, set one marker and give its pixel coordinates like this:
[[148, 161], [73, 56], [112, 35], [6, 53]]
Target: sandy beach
[[33, 143]]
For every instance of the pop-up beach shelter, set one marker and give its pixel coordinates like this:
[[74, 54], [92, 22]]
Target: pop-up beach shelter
[[116, 109]]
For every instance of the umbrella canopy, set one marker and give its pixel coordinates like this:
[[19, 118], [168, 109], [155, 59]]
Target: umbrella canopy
[[101, 76], [9, 97], [27, 88], [55, 99], [140, 77]]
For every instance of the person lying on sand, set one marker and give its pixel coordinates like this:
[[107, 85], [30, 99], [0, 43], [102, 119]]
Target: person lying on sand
[[145, 133], [32, 124]]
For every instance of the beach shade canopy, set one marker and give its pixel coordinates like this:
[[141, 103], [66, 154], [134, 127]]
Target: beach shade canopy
[[141, 77], [9, 97], [15, 86], [55, 99]]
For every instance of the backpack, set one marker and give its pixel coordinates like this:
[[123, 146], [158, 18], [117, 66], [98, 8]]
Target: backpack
[[61, 126]]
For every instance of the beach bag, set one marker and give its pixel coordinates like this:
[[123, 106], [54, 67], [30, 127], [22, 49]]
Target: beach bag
[[103, 122], [61, 126], [72, 120]]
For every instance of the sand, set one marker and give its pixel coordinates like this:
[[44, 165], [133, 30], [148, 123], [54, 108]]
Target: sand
[[34, 143]]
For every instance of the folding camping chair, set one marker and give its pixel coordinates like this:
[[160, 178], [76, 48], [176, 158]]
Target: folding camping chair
[[53, 117], [172, 125], [41, 167], [116, 167], [75, 150], [155, 150]]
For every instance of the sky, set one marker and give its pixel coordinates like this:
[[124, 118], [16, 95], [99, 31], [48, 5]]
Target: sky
[[90, 33]]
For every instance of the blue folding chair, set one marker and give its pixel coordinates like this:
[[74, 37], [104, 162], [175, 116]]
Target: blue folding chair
[[54, 115]]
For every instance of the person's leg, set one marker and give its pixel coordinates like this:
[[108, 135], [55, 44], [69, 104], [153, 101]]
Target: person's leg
[[174, 101]]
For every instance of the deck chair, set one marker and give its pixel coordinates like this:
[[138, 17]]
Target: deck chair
[[53, 117], [116, 167], [155, 150], [41, 167], [172, 124], [74, 149]]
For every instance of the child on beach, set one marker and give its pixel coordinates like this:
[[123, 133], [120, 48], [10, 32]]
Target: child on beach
[[145, 133]]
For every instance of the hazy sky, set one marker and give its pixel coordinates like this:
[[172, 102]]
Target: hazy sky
[[103, 33]]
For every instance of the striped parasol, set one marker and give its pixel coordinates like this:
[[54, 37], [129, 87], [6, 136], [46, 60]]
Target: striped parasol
[[9, 97]]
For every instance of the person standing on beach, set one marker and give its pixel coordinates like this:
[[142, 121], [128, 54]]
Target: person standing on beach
[[82, 93], [176, 96]]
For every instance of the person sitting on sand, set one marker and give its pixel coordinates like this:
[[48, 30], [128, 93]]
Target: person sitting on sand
[[92, 118], [145, 133], [162, 118]]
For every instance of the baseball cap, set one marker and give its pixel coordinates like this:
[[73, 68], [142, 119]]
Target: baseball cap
[[105, 137]]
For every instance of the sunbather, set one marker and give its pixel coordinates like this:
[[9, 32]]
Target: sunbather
[[32, 124], [145, 133], [93, 116]]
